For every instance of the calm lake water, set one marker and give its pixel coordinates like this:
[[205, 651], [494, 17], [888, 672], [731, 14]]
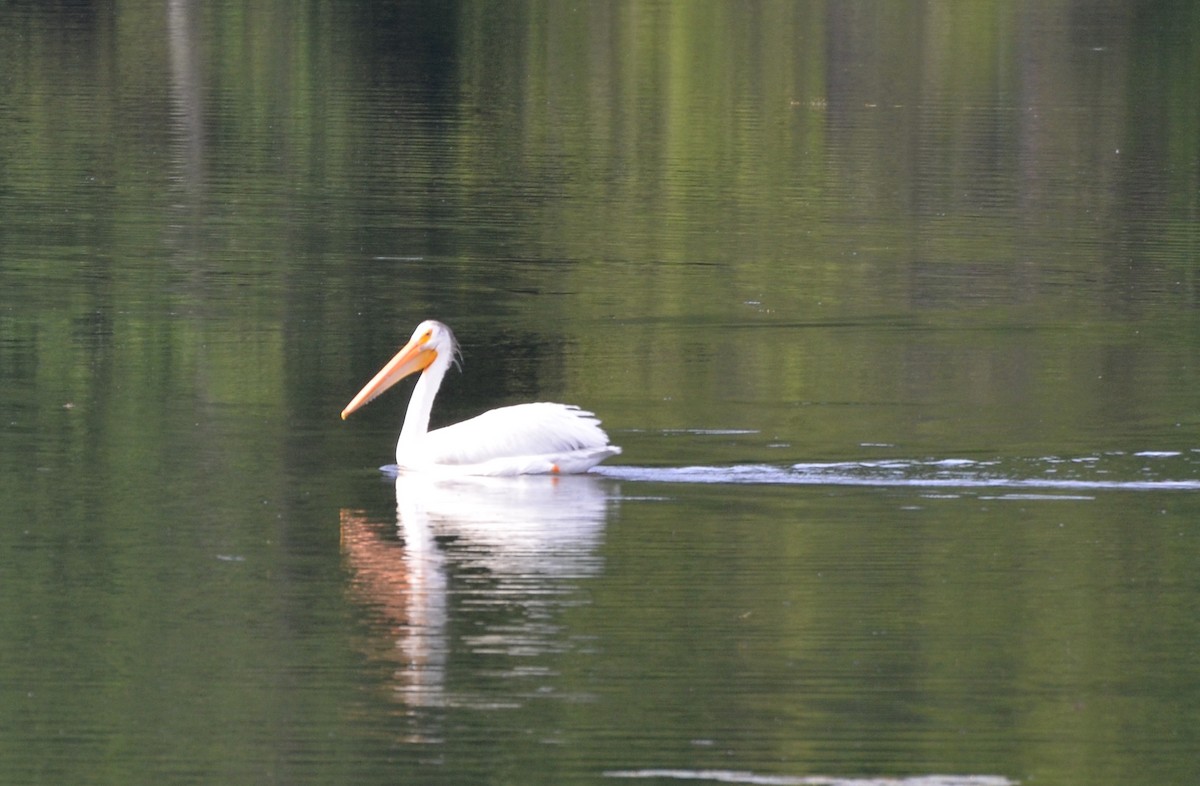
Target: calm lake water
[[894, 308]]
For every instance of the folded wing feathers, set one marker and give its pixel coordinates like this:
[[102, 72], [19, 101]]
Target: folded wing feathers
[[541, 429]]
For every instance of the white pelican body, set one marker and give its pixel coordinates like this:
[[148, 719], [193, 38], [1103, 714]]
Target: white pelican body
[[526, 439]]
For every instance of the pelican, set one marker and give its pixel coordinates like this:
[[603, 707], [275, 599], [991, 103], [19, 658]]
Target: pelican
[[525, 439]]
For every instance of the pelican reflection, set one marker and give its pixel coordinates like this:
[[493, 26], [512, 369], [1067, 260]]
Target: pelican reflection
[[475, 565]]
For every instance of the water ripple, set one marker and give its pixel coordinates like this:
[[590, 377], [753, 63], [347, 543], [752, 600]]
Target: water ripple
[[733, 776], [1118, 471]]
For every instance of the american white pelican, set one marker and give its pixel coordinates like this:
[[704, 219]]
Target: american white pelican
[[526, 439]]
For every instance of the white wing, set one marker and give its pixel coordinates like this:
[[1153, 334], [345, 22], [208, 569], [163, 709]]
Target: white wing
[[521, 439]]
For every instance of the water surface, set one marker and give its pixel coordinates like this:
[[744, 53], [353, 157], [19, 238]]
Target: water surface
[[893, 311]]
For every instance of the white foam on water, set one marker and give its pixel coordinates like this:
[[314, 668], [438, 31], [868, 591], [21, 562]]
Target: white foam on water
[[1038, 475], [735, 776]]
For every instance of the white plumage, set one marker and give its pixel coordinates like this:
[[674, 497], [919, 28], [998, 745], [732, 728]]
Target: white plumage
[[525, 439]]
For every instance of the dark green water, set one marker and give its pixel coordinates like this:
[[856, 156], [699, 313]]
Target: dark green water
[[895, 310]]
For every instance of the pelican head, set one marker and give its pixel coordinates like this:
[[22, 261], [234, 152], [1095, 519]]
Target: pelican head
[[432, 345]]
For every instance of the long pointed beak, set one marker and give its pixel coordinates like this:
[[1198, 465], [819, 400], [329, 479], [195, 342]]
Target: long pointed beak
[[414, 357]]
